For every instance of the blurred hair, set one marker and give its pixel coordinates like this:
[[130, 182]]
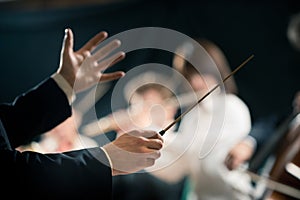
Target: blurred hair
[[164, 92], [217, 55]]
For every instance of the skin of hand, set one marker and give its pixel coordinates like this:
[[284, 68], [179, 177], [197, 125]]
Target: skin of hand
[[81, 69], [134, 151], [242, 152], [238, 155]]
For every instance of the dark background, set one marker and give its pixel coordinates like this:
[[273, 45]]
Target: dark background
[[31, 34]]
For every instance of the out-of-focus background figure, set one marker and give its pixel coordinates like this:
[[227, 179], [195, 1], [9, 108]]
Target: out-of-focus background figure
[[193, 156], [66, 136], [266, 88], [153, 106], [268, 150], [211, 145]]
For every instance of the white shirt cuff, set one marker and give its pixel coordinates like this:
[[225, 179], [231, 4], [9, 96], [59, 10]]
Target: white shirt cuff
[[109, 160], [65, 86]]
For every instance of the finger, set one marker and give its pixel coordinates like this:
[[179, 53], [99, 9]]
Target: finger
[[107, 49], [108, 62], [92, 43], [152, 135], [143, 133], [154, 155], [68, 40], [149, 162], [148, 133], [114, 75], [154, 144], [228, 158], [234, 164], [111, 76], [122, 56], [157, 136], [229, 166], [228, 162], [85, 54]]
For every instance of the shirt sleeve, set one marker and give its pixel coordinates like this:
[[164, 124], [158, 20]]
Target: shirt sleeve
[[108, 158]]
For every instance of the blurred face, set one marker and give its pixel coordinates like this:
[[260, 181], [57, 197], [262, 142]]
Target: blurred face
[[202, 83], [178, 62], [149, 107], [152, 109]]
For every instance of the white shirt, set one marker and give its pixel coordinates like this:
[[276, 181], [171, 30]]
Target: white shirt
[[205, 136]]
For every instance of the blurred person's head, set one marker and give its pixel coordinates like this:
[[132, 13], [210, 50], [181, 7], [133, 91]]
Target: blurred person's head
[[293, 31], [152, 99], [204, 77]]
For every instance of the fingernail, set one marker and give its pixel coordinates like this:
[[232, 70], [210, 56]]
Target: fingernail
[[66, 30]]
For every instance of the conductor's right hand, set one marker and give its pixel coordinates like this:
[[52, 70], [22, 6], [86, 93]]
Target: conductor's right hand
[[134, 151]]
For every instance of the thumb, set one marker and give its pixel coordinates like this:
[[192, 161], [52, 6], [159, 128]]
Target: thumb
[[68, 40]]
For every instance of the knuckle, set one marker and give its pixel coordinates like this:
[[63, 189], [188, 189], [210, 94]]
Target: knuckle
[[160, 144], [141, 141], [158, 154], [150, 162]]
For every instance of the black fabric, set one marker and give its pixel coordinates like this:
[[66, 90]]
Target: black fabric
[[82, 174], [34, 112], [146, 187]]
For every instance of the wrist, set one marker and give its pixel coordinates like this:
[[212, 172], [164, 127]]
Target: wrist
[[65, 86]]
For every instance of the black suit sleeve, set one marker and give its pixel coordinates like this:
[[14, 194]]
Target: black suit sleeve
[[34, 112], [82, 174]]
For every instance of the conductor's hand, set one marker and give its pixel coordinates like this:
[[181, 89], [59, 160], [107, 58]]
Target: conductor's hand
[[238, 155], [81, 68], [134, 151]]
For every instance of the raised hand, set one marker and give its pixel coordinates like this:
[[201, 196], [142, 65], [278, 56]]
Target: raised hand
[[81, 68]]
